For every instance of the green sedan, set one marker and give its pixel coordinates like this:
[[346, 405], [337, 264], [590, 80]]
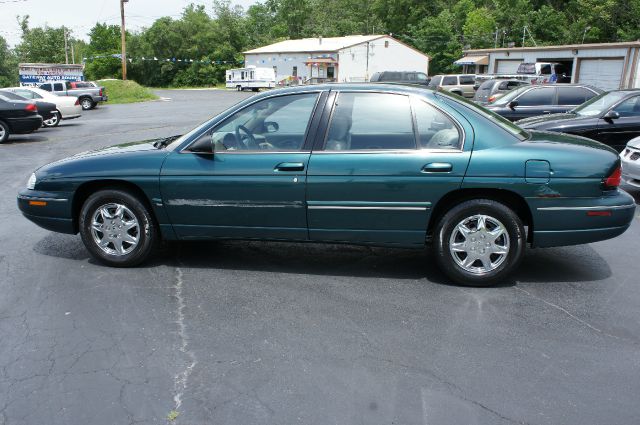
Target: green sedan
[[358, 164]]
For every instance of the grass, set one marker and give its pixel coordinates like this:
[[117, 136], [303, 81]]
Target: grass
[[126, 91]]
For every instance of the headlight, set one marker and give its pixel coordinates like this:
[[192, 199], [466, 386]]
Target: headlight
[[31, 184]]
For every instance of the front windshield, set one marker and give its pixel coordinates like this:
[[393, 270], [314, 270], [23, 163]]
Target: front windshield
[[599, 104], [492, 116], [510, 96]]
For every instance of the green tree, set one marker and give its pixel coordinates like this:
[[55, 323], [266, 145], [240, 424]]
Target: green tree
[[8, 65], [479, 28], [435, 35]]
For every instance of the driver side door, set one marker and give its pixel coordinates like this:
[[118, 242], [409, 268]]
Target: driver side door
[[253, 185]]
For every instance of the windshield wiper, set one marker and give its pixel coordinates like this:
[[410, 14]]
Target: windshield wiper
[[161, 143]]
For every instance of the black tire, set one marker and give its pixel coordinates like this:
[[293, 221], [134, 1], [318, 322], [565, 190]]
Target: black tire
[[54, 121], [147, 232], [505, 264], [87, 103], [4, 132]]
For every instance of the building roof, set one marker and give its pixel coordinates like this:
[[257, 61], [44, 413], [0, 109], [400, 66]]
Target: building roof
[[561, 47], [317, 44]]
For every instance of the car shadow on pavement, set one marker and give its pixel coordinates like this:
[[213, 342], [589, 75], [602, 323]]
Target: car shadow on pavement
[[565, 264], [25, 138]]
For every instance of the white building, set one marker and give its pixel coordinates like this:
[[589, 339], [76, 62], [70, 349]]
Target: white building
[[343, 59], [608, 66]]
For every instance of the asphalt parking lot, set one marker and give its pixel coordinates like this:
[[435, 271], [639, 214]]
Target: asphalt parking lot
[[277, 333]]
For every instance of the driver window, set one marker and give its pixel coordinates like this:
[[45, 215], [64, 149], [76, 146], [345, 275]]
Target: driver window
[[274, 124], [629, 108], [435, 129]]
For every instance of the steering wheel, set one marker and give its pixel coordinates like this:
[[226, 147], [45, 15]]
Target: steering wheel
[[251, 140]]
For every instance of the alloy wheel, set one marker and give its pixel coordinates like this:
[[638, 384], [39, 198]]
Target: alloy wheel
[[479, 244], [115, 229]]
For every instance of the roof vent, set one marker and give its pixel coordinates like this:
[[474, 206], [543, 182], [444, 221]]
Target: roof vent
[[320, 40]]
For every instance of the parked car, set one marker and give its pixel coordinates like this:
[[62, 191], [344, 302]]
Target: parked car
[[531, 101], [404, 77], [461, 85], [491, 90], [67, 107], [545, 72], [612, 118], [17, 117], [88, 95], [46, 110], [377, 164], [630, 158]]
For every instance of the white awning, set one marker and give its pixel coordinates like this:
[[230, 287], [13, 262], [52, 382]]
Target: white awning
[[473, 60]]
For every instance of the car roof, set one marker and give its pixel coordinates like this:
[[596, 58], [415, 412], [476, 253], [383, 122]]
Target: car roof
[[376, 87]]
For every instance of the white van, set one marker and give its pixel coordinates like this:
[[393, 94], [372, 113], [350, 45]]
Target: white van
[[251, 78]]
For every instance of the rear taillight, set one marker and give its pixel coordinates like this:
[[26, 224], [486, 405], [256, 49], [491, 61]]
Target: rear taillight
[[613, 181], [491, 99], [77, 102], [31, 108], [100, 94]]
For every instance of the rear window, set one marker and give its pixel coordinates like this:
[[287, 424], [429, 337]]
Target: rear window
[[435, 81], [573, 95], [58, 87], [486, 86]]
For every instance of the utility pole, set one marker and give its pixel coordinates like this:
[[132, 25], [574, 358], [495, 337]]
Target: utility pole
[[524, 33], [73, 54], [123, 39], [66, 50]]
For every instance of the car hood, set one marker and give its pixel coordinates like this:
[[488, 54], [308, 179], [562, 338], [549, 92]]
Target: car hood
[[634, 143], [128, 159]]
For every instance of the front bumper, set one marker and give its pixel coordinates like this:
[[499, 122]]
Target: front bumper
[[630, 159], [51, 211], [573, 221]]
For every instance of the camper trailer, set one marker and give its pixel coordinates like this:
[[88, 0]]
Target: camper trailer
[[251, 78]]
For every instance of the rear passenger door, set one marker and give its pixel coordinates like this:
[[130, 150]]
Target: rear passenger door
[[381, 165], [570, 97]]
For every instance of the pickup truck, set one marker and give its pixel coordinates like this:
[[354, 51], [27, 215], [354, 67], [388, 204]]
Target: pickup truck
[[88, 95]]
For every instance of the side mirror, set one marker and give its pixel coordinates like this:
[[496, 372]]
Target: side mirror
[[611, 115], [513, 104], [271, 126], [204, 145]]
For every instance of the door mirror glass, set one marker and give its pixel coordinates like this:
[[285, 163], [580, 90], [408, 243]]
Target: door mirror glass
[[271, 126]]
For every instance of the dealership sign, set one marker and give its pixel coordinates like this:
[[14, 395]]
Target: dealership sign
[[35, 73]]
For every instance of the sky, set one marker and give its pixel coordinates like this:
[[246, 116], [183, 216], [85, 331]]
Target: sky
[[81, 15]]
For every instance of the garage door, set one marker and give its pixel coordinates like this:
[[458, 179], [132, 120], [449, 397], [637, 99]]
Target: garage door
[[602, 73], [507, 66]]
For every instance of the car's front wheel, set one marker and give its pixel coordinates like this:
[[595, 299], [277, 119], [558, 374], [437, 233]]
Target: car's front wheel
[[479, 242], [53, 121], [117, 228], [4, 132]]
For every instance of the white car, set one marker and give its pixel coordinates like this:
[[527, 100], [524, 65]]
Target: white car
[[630, 158], [68, 107]]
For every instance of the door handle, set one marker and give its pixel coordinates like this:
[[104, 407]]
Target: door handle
[[546, 112], [289, 166], [437, 167]]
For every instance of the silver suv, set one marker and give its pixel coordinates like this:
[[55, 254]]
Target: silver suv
[[460, 84]]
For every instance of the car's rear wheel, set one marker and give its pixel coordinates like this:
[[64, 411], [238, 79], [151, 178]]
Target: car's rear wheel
[[117, 228], [87, 103], [53, 121], [479, 242], [4, 132]]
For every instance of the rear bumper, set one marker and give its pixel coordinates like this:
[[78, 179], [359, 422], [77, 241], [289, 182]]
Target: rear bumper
[[100, 98], [559, 222], [51, 211], [25, 125]]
